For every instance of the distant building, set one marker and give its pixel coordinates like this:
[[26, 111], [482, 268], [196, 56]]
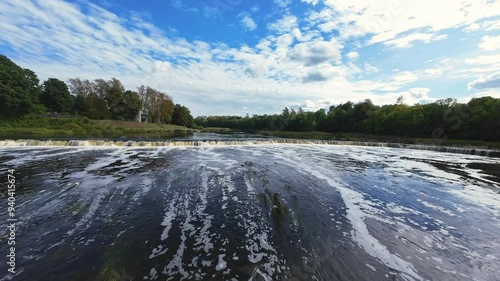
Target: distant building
[[142, 117]]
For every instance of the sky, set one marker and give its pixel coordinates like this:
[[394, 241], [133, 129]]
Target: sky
[[233, 57]]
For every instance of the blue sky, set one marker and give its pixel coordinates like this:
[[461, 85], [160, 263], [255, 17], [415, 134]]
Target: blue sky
[[240, 56]]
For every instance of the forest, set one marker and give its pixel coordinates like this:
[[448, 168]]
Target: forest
[[22, 94], [478, 119]]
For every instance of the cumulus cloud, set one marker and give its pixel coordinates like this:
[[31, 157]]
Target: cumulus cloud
[[495, 93], [315, 76], [484, 60], [490, 43], [285, 24], [387, 20], [406, 77], [314, 53], [491, 81]]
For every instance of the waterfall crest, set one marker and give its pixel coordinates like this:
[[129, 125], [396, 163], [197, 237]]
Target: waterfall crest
[[184, 143]]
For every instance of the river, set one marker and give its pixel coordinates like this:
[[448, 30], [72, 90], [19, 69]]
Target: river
[[250, 210]]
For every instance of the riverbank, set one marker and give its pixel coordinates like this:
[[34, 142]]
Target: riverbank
[[366, 138], [40, 128]]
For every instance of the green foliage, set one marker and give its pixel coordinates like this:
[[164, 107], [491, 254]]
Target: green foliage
[[21, 95], [80, 105], [97, 108], [19, 90], [477, 120], [182, 116], [55, 96], [133, 105], [166, 111]]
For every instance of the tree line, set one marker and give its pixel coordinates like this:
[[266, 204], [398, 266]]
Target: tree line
[[478, 119], [21, 93]]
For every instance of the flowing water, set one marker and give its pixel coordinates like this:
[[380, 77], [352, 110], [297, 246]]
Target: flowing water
[[251, 210]]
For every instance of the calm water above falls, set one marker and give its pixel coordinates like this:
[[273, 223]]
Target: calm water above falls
[[260, 212]]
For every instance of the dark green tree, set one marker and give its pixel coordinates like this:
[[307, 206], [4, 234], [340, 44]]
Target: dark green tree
[[55, 96], [97, 108], [80, 105], [19, 90], [133, 105], [182, 116]]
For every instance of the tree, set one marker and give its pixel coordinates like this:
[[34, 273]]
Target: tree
[[80, 105], [97, 108], [100, 87], [133, 104], [114, 95], [78, 87], [19, 90], [55, 96], [182, 116], [166, 111], [154, 100]]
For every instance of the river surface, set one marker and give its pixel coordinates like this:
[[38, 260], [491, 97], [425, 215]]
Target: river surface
[[251, 212]]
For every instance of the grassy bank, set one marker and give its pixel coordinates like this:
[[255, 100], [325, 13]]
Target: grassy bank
[[85, 128], [216, 130]]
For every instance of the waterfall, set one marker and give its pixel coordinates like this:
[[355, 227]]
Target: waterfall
[[177, 143]]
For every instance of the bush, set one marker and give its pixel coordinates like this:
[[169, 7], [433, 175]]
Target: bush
[[95, 133], [73, 127]]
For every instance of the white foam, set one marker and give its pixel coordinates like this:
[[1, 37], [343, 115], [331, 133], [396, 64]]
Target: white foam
[[371, 267], [221, 265], [248, 184], [356, 216], [145, 187], [90, 213], [168, 218]]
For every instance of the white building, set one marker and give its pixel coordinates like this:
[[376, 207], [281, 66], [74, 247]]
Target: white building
[[142, 117]]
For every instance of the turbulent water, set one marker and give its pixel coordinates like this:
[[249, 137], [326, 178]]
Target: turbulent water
[[255, 211]]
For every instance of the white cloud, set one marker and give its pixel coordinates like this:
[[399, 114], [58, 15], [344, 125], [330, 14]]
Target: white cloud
[[285, 24], [490, 81], [313, 53], [435, 72], [352, 55], [406, 41], [484, 60], [411, 96], [483, 26], [495, 93], [370, 68], [290, 64], [247, 23], [387, 20], [490, 43], [406, 77], [312, 2]]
